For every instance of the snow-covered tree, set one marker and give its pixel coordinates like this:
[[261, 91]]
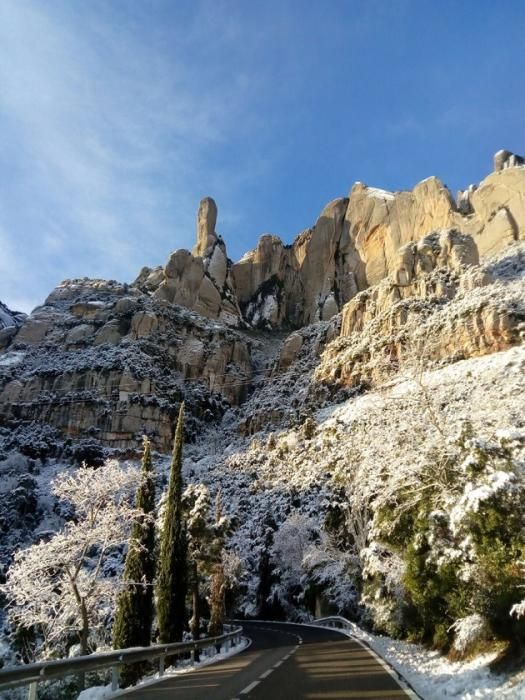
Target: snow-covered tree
[[196, 502], [172, 575], [61, 589], [290, 546], [219, 581]]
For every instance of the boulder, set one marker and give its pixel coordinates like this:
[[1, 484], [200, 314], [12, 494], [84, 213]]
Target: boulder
[[79, 333], [143, 324], [109, 334], [289, 350]]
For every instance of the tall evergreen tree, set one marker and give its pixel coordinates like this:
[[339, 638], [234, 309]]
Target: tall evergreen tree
[[134, 616], [218, 579], [196, 503], [172, 573]]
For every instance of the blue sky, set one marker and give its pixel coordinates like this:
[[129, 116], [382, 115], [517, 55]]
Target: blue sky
[[117, 116]]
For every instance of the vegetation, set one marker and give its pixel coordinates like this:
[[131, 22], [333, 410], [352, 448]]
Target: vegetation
[[172, 570], [134, 616]]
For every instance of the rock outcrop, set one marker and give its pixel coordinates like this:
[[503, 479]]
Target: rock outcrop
[[506, 159], [103, 360], [354, 243], [10, 322], [438, 304], [395, 271], [202, 280]]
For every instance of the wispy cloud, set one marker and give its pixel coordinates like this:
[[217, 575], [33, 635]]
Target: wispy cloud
[[91, 111]]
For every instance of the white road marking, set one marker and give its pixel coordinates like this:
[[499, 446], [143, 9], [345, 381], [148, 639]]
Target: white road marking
[[249, 688], [277, 664], [265, 674]]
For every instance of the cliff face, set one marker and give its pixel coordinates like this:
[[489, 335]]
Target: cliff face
[[102, 360], [377, 274], [355, 241], [352, 246]]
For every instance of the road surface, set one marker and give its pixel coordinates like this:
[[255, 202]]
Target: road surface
[[284, 662]]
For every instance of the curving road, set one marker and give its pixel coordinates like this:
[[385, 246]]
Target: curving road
[[284, 662]]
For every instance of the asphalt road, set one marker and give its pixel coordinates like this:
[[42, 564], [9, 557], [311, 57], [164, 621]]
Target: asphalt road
[[284, 662]]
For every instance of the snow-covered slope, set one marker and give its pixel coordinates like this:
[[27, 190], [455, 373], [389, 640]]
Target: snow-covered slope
[[371, 464]]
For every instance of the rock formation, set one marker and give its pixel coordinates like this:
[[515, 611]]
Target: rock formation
[[201, 280], [437, 304], [506, 159], [354, 244], [102, 360], [10, 322], [385, 271]]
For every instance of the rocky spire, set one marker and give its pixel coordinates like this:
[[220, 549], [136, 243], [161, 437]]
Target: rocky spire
[[206, 221]]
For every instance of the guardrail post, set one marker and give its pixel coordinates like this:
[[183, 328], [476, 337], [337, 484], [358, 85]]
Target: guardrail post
[[32, 691], [192, 656], [114, 678], [162, 659]]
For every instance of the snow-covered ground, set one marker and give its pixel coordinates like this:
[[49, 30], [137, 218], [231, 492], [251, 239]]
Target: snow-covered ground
[[434, 677]]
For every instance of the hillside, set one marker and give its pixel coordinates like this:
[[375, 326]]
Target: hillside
[[356, 397]]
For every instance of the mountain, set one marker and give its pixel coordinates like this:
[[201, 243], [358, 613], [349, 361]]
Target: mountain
[[107, 361], [356, 396]]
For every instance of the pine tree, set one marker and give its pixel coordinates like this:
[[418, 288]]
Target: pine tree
[[134, 616], [172, 574]]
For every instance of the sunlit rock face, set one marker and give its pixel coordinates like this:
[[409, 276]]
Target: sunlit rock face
[[355, 241], [108, 361], [438, 304], [200, 280]]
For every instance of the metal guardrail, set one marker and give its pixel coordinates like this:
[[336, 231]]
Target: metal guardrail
[[335, 622], [32, 674]]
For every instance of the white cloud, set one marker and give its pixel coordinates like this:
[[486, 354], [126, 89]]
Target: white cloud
[[109, 128]]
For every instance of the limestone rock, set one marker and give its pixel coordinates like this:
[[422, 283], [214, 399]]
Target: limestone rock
[[503, 192], [217, 265], [99, 362], [506, 159], [289, 350], [201, 280], [79, 333], [354, 244], [280, 285], [446, 307], [206, 222], [10, 322], [149, 279], [108, 334], [32, 332], [143, 324]]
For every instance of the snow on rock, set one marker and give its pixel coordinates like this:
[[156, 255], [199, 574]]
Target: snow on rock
[[10, 318]]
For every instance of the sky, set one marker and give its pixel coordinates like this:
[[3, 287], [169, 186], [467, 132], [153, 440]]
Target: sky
[[118, 116]]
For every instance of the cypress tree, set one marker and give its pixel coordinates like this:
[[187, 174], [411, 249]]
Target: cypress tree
[[172, 573], [134, 616]]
